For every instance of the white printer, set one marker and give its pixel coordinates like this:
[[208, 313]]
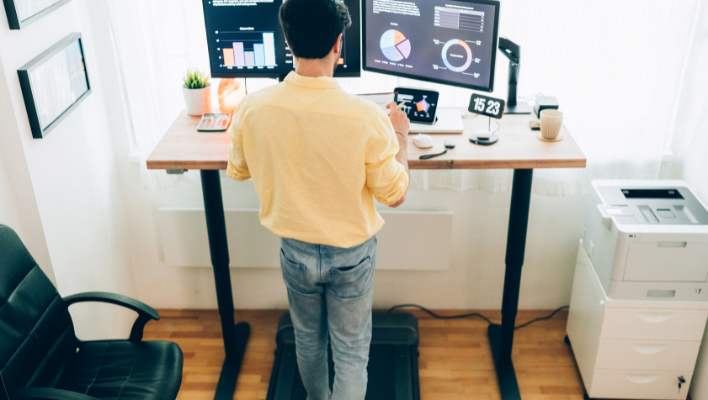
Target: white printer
[[648, 240]]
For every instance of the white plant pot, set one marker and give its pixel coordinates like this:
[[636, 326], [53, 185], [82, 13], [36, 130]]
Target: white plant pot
[[197, 101]]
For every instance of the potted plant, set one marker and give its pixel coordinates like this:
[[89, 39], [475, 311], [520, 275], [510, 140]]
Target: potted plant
[[197, 93]]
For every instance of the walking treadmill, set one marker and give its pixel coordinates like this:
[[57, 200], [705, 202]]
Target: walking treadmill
[[393, 360]]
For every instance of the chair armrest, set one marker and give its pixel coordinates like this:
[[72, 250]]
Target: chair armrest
[[51, 394], [145, 312]]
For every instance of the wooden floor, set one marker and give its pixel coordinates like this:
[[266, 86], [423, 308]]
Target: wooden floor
[[455, 360]]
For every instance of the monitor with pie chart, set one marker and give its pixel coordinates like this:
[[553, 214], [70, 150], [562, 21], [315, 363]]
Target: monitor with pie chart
[[452, 42]]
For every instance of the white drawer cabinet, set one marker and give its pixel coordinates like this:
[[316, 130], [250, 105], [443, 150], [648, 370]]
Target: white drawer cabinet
[[630, 349]]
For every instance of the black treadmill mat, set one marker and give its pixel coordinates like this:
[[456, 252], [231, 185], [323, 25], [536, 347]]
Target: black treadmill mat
[[393, 362]]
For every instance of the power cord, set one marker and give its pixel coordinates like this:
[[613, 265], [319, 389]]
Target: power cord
[[474, 314], [543, 318], [442, 317]]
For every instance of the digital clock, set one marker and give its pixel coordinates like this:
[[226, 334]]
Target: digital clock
[[489, 106]]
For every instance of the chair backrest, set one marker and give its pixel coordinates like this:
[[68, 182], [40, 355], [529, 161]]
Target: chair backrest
[[36, 333]]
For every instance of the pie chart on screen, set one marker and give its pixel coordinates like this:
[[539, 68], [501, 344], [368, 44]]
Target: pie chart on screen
[[395, 46]]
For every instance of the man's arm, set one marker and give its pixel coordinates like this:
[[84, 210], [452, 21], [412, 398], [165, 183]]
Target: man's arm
[[238, 167], [386, 164], [401, 126]]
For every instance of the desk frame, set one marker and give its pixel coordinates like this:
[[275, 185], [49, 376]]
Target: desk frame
[[235, 335], [501, 337]]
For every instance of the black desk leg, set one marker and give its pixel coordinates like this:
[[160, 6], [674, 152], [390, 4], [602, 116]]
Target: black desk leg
[[501, 338], [235, 335]]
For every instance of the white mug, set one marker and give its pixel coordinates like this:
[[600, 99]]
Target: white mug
[[551, 124]]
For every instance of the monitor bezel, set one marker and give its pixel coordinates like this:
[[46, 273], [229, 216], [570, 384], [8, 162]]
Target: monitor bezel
[[490, 88]]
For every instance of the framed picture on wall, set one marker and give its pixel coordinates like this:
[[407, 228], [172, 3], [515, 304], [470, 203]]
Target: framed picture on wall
[[22, 12], [54, 83]]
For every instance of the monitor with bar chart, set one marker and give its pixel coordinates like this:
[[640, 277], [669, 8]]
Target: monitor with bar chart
[[245, 40], [452, 42]]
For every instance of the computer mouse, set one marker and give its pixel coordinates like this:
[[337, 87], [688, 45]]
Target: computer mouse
[[423, 141]]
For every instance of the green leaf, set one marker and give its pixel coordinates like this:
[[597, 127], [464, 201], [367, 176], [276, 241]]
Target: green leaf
[[195, 80]]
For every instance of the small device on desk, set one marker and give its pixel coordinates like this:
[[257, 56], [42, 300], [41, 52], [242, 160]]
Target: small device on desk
[[423, 141], [421, 106], [214, 122], [544, 102], [449, 145], [491, 108]]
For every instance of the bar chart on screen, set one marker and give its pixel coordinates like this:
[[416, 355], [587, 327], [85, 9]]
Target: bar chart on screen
[[247, 49]]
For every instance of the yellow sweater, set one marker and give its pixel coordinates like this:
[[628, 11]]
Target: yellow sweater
[[318, 157]]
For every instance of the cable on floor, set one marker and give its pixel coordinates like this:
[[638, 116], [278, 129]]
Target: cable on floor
[[439, 316], [475, 314], [543, 318]]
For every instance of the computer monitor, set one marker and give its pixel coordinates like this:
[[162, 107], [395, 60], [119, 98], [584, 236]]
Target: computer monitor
[[452, 42], [245, 40]]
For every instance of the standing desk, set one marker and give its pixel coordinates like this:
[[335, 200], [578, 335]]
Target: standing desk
[[519, 149]]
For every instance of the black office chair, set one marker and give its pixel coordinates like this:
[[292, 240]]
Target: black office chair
[[41, 358]]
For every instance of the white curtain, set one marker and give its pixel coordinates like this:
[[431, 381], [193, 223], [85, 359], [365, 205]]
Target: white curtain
[[689, 144], [617, 67]]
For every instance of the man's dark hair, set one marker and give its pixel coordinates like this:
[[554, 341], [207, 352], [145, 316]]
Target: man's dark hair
[[311, 27]]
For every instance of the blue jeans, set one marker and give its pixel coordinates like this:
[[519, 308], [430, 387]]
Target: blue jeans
[[330, 292]]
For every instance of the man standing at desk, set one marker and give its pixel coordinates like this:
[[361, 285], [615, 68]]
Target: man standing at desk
[[319, 157]]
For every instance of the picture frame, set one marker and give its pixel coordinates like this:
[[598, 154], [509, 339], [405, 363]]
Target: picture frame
[[54, 83], [23, 12]]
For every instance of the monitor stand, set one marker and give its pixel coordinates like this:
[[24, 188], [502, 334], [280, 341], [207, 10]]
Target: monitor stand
[[393, 360], [518, 108], [513, 52]]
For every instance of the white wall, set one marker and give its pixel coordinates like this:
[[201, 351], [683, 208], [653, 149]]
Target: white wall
[[9, 214], [16, 208], [8, 208], [70, 176]]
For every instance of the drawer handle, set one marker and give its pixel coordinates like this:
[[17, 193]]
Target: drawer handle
[[642, 380], [655, 318], [649, 349]]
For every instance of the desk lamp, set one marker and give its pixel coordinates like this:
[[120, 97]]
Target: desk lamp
[[512, 51]]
